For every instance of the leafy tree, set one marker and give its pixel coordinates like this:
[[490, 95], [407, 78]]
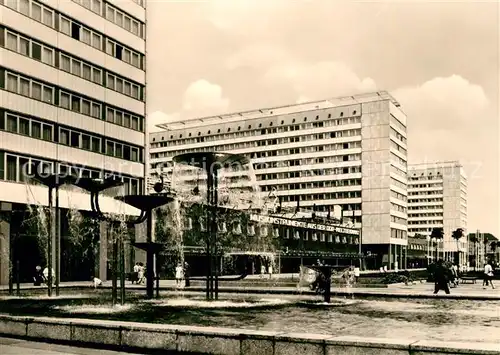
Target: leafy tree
[[438, 235]]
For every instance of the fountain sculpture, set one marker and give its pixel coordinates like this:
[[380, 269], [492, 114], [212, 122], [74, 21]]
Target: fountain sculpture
[[145, 203], [221, 199]]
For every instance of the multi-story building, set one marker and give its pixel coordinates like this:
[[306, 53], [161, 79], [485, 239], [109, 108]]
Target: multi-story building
[[72, 76], [348, 151], [437, 198]]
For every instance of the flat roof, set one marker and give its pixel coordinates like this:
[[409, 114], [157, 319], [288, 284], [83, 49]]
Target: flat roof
[[433, 165], [279, 110]]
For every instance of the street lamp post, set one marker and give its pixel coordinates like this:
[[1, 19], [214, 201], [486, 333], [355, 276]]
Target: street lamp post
[[434, 248], [428, 238]]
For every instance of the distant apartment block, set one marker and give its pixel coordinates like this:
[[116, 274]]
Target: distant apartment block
[[437, 198]]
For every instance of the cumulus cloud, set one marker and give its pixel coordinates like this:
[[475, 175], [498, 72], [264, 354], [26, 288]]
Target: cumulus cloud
[[453, 100], [444, 113], [201, 98]]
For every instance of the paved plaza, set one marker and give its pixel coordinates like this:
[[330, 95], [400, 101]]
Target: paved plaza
[[474, 291]]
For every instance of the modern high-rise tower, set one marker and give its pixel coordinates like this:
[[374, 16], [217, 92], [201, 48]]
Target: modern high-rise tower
[[72, 76]]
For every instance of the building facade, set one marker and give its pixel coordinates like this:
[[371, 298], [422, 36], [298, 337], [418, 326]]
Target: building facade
[[437, 198], [72, 77], [347, 151]]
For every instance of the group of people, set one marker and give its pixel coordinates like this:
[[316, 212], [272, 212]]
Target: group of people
[[138, 273], [446, 275], [182, 273], [42, 277]]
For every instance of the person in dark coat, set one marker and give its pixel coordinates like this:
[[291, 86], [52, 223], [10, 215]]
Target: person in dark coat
[[187, 274], [38, 278], [441, 278]]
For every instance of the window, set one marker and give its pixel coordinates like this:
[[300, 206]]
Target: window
[[24, 126], [11, 42], [65, 100], [109, 147], [75, 103], [96, 144], [36, 91], [96, 6], [65, 25], [12, 82], [24, 84], [110, 47], [75, 139], [86, 72], [85, 141], [12, 4], [48, 56], [24, 7], [96, 76], [24, 46], [48, 94], [36, 51], [110, 115], [76, 67], [86, 36], [65, 63], [110, 13], [110, 82], [47, 132], [96, 41], [11, 173], [118, 118], [36, 12], [86, 107], [64, 136], [119, 150], [36, 129], [11, 123], [96, 110], [48, 17], [2, 165], [135, 154]]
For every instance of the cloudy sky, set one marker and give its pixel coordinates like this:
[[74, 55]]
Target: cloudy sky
[[439, 59]]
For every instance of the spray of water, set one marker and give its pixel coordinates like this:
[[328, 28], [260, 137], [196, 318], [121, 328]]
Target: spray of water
[[238, 198], [37, 221]]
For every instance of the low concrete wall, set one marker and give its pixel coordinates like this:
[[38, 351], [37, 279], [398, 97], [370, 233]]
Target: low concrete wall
[[211, 340]]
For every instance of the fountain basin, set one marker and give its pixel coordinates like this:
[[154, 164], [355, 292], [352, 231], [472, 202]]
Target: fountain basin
[[192, 339], [432, 319]]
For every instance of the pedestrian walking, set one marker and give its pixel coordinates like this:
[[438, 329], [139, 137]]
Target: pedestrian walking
[[140, 274], [441, 278], [187, 274], [488, 276], [179, 271]]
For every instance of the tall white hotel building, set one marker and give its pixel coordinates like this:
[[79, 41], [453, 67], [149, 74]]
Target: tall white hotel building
[[437, 198], [72, 76], [348, 151]]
